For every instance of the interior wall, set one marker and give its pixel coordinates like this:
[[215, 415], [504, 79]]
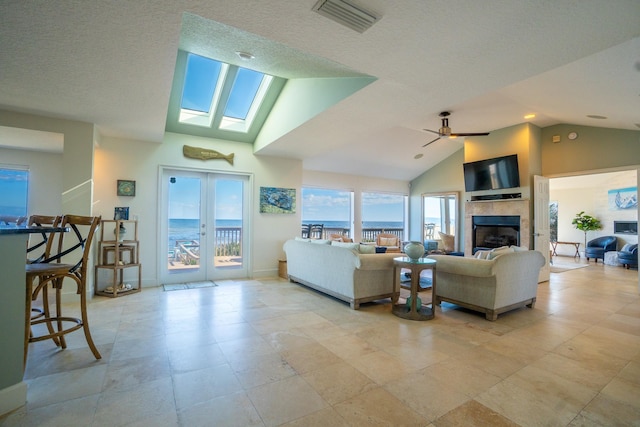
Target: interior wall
[[77, 157], [141, 161], [593, 200], [595, 149]]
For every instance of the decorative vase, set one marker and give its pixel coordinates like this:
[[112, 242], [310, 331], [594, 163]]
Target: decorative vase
[[414, 250], [418, 302], [121, 233]]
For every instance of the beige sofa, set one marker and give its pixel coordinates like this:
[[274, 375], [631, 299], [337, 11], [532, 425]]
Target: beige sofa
[[490, 286], [341, 271]]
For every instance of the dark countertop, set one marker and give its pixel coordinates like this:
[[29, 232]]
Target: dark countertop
[[12, 229]]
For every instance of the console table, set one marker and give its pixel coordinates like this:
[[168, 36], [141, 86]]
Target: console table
[[412, 312], [554, 245]]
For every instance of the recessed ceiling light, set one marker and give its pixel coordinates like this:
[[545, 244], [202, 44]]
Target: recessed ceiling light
[[418, 156], [595, 116], [529, 116], [245, 56]]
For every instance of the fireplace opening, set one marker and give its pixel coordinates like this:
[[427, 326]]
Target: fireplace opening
[[495, 231]]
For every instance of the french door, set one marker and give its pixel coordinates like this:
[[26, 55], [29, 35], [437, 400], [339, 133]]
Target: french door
[[204, 230]]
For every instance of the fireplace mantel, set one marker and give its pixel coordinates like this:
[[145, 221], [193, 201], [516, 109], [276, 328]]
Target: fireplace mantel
[[502, 207]]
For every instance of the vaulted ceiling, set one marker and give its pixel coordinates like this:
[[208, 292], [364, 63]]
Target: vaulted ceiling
[[489, 62]]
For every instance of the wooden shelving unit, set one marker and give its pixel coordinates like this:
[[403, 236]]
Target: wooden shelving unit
[[119, 262]]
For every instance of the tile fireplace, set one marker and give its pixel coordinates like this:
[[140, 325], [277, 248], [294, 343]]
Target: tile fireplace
[[494, 231], [498, 222]]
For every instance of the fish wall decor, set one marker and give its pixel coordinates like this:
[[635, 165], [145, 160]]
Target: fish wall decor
[[205, 154]]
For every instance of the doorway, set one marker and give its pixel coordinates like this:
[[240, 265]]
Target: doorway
[[204, 230]]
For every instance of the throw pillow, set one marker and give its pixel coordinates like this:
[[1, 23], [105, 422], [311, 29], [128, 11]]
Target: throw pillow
[[388, 241], [495, 253], [367, 249], [482, 254], [448, 242]]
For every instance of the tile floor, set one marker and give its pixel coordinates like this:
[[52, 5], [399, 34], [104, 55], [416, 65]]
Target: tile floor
[[271, 353]]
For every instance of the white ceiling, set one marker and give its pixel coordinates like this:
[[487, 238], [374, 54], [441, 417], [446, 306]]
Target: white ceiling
[[489, 62]]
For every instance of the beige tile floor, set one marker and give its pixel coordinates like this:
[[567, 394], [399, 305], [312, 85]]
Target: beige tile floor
[[269, 353]]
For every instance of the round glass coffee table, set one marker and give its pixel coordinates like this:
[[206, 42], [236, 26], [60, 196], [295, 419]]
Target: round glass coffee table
[[411, 311]]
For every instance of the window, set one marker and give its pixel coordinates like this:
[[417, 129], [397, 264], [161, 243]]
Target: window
[[14, 187], [331, 208], [439, 214], [221, 95], [383, 211]]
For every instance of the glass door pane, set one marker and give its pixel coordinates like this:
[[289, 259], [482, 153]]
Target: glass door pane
[[229, 210], [185, 194], [203, 234]]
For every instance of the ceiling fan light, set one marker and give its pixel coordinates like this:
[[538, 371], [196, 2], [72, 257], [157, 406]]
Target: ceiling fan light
[[445, 131]]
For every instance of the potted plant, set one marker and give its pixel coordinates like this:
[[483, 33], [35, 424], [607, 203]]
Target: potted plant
[[586, 223]]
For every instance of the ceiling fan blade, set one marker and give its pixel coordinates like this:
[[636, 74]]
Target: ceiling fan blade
[[431, 142], [432, 131], [457, 134]]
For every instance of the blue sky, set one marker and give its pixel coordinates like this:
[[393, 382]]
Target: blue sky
[[184, 196], [200, 83], [334, 205]]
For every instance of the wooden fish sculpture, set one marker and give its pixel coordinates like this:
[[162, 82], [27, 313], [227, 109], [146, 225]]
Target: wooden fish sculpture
[[205, 154]]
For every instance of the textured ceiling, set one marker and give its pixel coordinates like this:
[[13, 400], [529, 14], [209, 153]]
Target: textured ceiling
[[490, 62]]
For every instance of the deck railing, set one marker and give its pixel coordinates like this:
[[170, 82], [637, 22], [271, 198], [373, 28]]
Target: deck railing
[[368, 234], [228, 243]]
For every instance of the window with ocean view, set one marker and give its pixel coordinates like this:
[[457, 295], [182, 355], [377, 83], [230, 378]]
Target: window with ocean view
[[383, 211], [14, 187], [331, 208]]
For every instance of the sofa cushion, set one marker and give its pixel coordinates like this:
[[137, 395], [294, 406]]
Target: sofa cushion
[[367, 249], [300, 239], [320, 241], [352, 246]]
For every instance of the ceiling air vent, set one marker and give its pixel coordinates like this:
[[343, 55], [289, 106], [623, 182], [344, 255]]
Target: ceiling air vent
[[347, 14]]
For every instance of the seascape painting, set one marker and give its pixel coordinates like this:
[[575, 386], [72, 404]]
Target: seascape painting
[[277, 200], [623, 198]]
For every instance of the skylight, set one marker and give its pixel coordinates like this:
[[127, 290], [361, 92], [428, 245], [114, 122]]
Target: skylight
[[200, 83], [221, 95]]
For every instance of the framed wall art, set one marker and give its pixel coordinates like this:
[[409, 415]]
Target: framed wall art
[[126, 187], [277, 200], [623, 198], [121, 212]]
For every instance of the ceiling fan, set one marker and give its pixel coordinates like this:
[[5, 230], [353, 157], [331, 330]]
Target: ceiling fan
[[445, 130]]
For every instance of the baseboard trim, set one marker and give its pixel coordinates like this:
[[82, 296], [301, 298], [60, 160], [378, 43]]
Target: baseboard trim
[[13, 397]]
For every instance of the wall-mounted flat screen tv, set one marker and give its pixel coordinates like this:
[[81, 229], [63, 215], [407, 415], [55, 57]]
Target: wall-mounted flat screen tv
[[492, 174]]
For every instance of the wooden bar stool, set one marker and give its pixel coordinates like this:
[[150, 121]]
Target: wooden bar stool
[[39, 249], [74, 245]]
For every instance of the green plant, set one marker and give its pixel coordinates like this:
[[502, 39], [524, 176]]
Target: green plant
[[586, 223]]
